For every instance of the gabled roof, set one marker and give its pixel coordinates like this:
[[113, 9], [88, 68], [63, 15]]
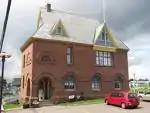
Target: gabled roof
[[79, 29]]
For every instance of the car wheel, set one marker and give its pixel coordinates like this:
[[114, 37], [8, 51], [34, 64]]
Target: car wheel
[[123, 105], [106, 101], [135, 106]]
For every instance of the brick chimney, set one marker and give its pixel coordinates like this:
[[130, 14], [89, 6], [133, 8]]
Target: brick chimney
[[48, 6]]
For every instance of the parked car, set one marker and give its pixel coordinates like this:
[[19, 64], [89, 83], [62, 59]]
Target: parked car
[[140, 94], [146, 97], [122, 98]]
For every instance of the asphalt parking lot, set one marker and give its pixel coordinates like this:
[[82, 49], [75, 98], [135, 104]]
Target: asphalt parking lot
[[96, 108]]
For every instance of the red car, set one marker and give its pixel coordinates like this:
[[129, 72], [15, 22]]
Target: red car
[[122, 98]]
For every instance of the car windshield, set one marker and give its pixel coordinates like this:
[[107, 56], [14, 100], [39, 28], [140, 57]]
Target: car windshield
[[132, 95], [141, 92]]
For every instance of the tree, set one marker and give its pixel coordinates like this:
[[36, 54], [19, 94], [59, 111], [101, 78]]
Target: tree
[[4, 82]]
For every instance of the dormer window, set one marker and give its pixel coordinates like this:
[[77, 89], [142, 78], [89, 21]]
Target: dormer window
[[59, 30], [104, 36]]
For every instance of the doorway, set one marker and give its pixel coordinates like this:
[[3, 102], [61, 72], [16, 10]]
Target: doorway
[[44, 89]]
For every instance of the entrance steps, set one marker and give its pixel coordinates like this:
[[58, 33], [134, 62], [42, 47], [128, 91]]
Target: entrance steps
[[46, 103]]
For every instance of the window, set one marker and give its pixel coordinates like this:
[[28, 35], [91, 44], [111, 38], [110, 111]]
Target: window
[[96, 83], [103, 36], [69, 83], [113, 94], [24, 61], [120, 95], [104, 58], [118, 83], [132, 95], [23, 81], [69, 55], [59, 30], [104, 39]]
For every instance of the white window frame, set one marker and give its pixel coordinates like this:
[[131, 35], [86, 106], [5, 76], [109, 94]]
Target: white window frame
[[104, 58], [120, 84], [57, 31], [69, 55], [96, 81], [69, 82]]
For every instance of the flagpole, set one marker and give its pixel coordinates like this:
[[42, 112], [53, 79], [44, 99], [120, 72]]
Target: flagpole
[[104, 18], [103, 11]]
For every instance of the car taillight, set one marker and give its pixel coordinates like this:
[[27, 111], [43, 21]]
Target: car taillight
[[130, 100]]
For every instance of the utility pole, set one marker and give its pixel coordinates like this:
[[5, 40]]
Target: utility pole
[[134, 82], [5, 25], [3, 55]]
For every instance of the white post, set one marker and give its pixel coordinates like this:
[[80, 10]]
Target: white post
[[103, 10]]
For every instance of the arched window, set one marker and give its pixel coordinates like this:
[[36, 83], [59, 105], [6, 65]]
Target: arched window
[[96, 83], [118, 83], [28, 87], [69, 82], [23, 81]]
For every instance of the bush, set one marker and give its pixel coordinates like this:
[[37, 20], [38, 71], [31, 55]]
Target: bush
[[26, 104]]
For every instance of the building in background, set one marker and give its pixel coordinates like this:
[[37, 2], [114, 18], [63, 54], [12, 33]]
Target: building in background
[[70, 54], [16, 82], [139, 83], [15, 88]]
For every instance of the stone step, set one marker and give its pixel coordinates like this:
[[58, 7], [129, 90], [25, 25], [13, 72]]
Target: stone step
[[46, 103]]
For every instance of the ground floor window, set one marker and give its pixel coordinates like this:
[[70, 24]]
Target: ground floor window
[[96, 83], [118, 83], [69, 83]]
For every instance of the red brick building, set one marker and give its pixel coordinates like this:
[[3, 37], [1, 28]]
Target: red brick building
[[69, 54]]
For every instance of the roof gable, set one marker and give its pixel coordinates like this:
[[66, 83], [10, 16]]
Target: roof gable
[[59, 29], [103, 37]]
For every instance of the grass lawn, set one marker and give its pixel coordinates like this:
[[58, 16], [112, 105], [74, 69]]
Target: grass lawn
[[84, 102], [11, 106]]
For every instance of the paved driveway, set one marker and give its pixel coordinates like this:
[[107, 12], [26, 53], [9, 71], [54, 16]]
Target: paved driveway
[[97, 108]]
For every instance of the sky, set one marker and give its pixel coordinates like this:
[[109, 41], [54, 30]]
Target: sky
[[128, 20]]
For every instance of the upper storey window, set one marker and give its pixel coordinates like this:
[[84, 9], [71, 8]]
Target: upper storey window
[[24, 62], [104, 58], [69, 55], [59, 31], [104, 39]]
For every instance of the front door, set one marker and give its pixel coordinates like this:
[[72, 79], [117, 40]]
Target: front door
[[44, 90]]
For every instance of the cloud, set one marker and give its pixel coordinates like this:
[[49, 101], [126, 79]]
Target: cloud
[[128, 19], [139, 56]]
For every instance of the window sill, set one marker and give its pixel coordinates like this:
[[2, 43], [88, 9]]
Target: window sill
[[117, 88], [70, 64], [97, 90], [103, 66], [70, 90]]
